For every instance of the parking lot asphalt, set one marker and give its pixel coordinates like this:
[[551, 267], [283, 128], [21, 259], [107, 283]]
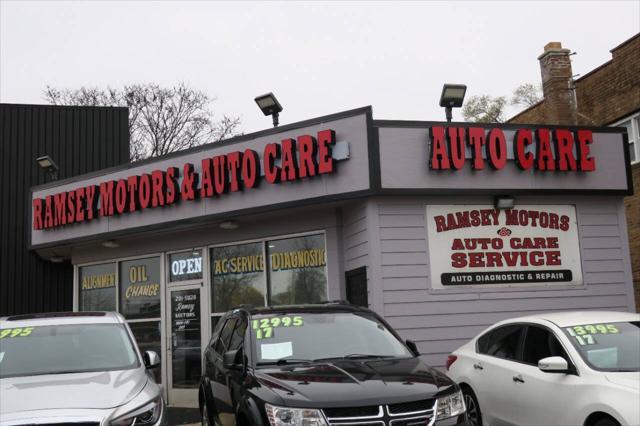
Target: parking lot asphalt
[[183, 416]]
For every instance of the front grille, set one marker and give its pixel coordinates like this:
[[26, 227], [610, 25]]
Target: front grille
[[370, 411], [411, 407], [416, 421], [416, 413]]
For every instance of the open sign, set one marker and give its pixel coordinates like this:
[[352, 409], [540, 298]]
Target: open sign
[[186, 266]]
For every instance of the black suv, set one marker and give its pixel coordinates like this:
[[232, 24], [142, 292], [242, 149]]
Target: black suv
[[320, 365]]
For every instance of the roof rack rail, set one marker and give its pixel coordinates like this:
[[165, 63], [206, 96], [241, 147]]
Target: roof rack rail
[[242, 306], [55, 315]]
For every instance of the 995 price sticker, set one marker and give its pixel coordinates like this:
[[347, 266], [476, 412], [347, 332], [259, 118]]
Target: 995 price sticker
[[15, 332], [264, 327]]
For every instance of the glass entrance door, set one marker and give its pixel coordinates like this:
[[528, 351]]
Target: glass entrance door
[[184, 345]]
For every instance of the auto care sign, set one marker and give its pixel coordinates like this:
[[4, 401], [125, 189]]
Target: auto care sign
[[481, 245]]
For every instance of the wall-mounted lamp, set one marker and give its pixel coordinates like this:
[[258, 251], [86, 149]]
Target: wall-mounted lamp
[[269, 105], [504, 202], [452, 97], [110, 244], [229, 224], [56, 259], [47, 164]]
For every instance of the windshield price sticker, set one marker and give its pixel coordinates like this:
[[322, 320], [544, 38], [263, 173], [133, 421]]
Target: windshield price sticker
[[15, 332], [581, 330], [264, 327], [584, 333]]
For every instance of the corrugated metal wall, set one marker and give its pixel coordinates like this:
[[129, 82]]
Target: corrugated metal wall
[[79, 140]]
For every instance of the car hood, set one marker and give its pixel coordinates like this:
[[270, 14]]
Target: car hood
[[354, 383], [96, 390], [627, 379]]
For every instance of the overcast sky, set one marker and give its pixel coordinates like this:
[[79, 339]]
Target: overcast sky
[[318, 58]]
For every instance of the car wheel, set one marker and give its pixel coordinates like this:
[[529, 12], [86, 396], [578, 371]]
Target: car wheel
[[473, 408], [606, 421], [205, 413]]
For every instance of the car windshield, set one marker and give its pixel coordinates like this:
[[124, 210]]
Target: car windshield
[[612, 346], [310, 336], [57, 349]]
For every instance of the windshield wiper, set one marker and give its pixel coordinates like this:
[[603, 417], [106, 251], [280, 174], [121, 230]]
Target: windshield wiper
[[354, 356], [284, 361]]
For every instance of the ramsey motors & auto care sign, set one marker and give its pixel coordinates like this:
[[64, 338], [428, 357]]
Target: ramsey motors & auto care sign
[[287, 161], [480, 245]]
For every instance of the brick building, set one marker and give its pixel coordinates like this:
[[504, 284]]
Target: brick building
[[609, 95]]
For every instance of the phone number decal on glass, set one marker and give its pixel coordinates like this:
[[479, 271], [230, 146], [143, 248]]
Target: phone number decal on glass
[[264, 327], [584, 333], [15, 332]]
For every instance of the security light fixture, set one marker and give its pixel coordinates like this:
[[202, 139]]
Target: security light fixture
[[47, 164], [269, 105], [452, 97], [110, 244], [56, 259], [229, 224], [504, 202]]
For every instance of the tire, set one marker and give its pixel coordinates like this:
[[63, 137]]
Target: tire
[[606, 421], [473, 408], [205, 413]]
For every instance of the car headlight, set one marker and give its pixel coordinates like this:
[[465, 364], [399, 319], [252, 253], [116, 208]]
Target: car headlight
[[282, 416], [450, 405], [148, 414]]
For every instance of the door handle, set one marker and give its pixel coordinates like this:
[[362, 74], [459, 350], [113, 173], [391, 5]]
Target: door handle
[[518, 378], [478, 367]]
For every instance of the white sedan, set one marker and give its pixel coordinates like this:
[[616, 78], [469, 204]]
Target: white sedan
[[570, 368]]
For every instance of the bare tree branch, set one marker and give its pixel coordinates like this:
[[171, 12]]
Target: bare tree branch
[[161, 119]]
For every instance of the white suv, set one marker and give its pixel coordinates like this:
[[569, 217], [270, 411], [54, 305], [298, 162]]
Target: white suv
[[571, 368], [76, 368]]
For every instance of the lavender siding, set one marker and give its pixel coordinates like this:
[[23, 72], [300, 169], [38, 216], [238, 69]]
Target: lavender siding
[[442, 320], [355, 236]]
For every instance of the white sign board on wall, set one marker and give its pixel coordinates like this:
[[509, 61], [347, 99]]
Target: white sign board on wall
[[480, 245]]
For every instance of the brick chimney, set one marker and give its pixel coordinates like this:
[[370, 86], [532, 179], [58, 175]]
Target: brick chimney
[[557, 85]]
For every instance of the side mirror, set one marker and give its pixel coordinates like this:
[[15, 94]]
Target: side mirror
[[151, 359], [412, 347], [232, 360], [553, 364]]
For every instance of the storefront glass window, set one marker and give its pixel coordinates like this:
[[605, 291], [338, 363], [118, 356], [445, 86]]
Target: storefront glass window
[[297, 270], [147, 334], [97, 287], [140, 288], [237, 276], [185, 266]]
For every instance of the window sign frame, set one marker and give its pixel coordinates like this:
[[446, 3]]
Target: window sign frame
[[77, 299], [264, 241], [209, 256], [189, 278], [631, 122]]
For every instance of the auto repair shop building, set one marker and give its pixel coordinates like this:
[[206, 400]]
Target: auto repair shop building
[[442, 228]]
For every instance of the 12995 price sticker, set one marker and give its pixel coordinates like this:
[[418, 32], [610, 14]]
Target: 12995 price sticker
[[264, 327]]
